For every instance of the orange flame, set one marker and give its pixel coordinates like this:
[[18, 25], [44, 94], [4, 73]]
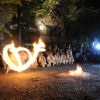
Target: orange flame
[[78, 71], [16, 64]]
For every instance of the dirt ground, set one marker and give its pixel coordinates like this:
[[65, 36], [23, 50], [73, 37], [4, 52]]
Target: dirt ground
[[46, 84]]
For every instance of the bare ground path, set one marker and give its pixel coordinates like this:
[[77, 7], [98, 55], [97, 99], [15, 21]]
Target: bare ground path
[[45, 84]]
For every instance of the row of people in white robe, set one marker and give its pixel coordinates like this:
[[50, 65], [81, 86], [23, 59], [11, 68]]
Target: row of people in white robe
[[43, 61], [55, 60]]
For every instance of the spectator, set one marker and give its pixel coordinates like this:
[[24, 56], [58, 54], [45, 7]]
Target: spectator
[[63, 59], [50, 59], [42, 60], [57, 59]]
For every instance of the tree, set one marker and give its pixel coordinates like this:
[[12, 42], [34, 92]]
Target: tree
[[23, 10], [83, 18], [6, 6], [55, 10]]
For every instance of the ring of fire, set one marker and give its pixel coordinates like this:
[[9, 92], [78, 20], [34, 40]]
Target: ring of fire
[[15, 51]]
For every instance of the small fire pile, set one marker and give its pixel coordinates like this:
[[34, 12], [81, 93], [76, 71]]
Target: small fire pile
[[76, 73]]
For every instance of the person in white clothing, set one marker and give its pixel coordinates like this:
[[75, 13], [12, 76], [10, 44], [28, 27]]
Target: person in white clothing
[[69, 56], [50, 59], [58, 59], [42, 60], [63, 59]]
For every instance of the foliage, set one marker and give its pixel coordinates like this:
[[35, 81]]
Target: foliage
[[29, 9], [83, 18], [48, 6], [10, 1], [57, 13], [5, 30], [8, 6], [24, 9], [85, 40]]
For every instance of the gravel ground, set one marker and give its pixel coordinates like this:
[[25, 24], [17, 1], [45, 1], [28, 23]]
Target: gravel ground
[[47, 84]]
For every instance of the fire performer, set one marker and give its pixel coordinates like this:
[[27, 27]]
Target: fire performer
[[23, 56], [12, 57], [20, 62]]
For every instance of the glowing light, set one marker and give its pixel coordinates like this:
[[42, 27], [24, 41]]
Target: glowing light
[[78, 71], [14, 61], [98, 46], [93, 43], [41, 27]]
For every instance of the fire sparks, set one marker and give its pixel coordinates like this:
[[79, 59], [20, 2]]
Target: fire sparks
[[11, 56]]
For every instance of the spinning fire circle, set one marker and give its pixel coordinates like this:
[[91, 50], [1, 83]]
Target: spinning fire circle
[[14, 60]]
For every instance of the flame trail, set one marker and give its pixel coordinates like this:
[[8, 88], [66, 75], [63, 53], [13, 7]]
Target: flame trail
[[18, 66]]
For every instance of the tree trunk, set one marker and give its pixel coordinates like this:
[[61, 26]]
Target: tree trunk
[[19, 27]]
